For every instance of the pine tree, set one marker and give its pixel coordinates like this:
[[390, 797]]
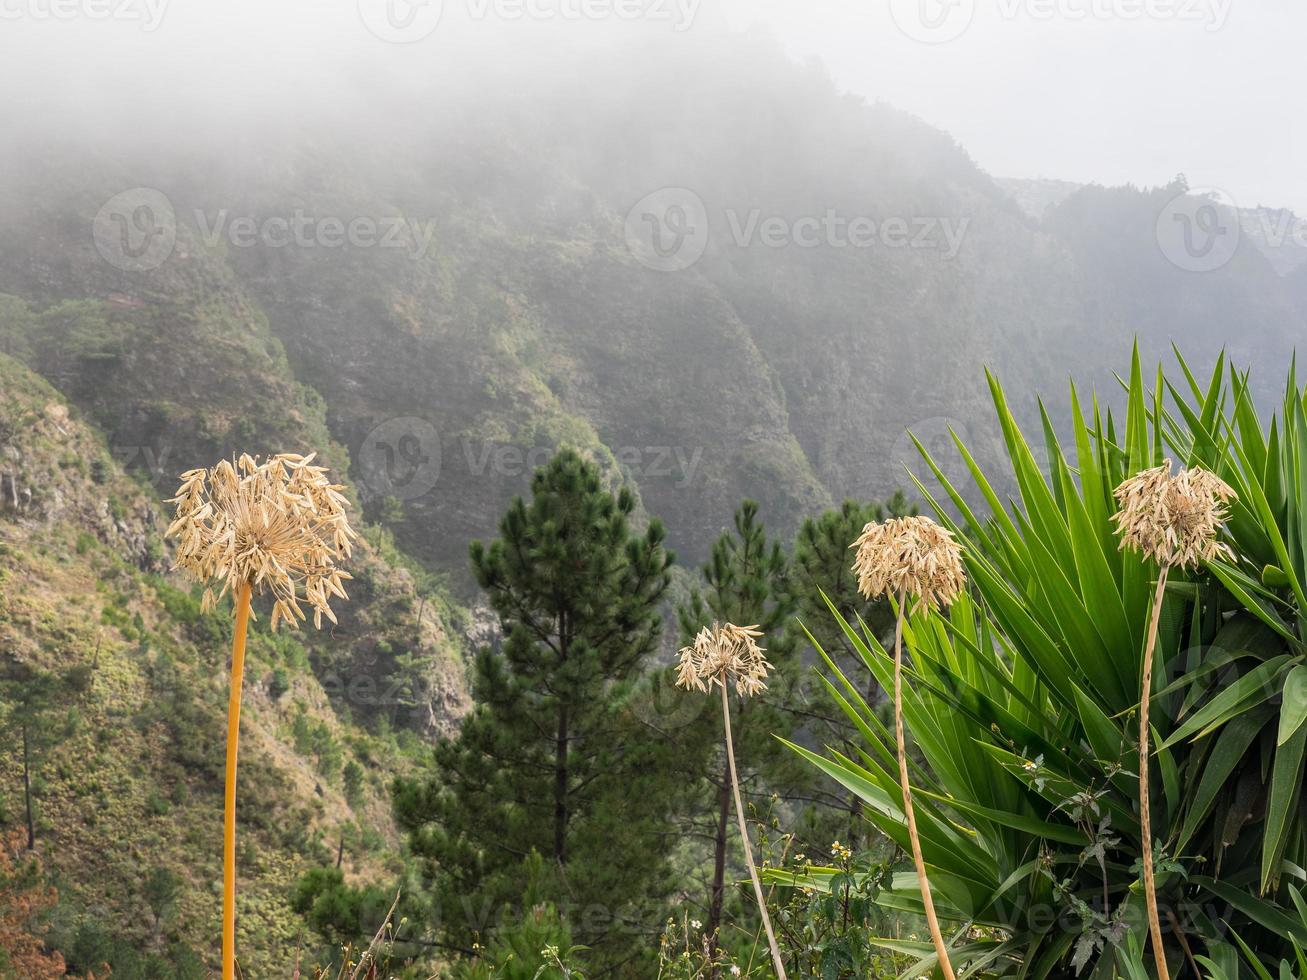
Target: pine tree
[[549, 761], [31, 725], [744, 584]]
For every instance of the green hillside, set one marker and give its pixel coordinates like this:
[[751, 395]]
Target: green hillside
[[129, 683]]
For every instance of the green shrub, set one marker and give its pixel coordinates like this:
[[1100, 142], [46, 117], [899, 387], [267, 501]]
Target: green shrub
[[162, 889], [352, 776], [79, 678], [339, 913], [94, 944], [206, 630], [302, 731], [538, 947]]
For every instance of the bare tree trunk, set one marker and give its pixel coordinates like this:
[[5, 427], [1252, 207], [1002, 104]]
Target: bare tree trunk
[[718, 894], [27, 791], [340, 851], [560, 758], [560, 788]]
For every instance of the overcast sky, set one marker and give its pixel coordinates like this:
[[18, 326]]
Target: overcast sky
[[1112, 91]]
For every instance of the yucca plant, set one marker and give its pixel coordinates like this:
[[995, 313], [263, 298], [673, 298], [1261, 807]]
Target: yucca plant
[[1175, 520], [1024, 699], [913, 559], [720, 656], [279, 527], [1227, 967]]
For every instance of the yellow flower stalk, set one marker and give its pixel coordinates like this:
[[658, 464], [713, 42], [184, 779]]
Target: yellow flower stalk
[[1174, 521], [723, 655], [277, 526], [910, 557]]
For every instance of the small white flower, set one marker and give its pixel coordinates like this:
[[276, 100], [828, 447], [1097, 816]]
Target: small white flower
[[735, 970], [696, 924]]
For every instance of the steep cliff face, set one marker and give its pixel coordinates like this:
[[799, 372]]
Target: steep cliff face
[[117, 682], [55, 475], [182, 381], [520, 346]]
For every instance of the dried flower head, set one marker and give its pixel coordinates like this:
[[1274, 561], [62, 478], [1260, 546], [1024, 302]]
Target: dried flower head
[[279, 524], [912, 555], [1173, 519], [722, 654]]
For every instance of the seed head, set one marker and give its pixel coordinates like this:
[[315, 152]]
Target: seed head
[[723, 653], [1173, 520], [913, 555], [279, 524]]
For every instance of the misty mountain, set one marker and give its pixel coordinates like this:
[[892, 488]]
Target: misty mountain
[[753, 285]]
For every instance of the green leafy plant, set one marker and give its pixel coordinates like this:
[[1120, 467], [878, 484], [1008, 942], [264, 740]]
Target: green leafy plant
[[686, 951], [1225, 967], [536, 947], [1024, 698], [832, 931]]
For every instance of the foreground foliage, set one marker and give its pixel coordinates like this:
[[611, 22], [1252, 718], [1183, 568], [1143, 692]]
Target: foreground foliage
[[1023, 699]]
